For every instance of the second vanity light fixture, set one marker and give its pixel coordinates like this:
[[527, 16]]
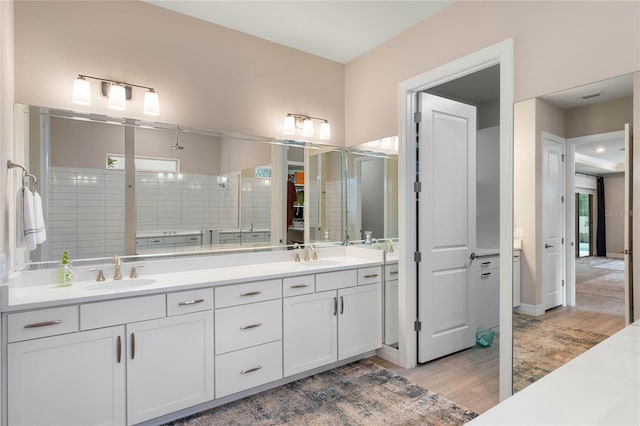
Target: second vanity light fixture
[[118, 93], [305, 122]]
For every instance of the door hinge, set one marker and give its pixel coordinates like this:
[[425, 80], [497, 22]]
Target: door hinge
[[417, 256], [562, 241], [562, 157], [562, 283], [417, 186], [417, 117], [562, 199], [417, 325]]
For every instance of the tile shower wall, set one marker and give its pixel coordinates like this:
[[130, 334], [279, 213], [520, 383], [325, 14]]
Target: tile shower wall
[[192, 202], [256, 203], [85, 212], [333, 210]]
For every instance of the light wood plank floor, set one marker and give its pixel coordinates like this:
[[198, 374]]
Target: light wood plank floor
[[470, 377]]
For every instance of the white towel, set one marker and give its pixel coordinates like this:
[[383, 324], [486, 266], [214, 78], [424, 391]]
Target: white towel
[[41, 232], [19, 218], [29, 220]]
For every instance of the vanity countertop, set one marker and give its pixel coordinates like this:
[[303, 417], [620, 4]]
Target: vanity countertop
[[601, 386], [37, 296]]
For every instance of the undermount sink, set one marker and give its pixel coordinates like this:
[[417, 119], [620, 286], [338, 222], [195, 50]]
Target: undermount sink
[[130, 283], [316, 263]]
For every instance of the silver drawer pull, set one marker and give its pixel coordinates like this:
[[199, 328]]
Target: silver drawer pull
[[300, 285], [246, 327], [251, 293], [190, 302], [393, 273], [485, 275], [371, 276], [251, 370], [485, 264], [43, 324]]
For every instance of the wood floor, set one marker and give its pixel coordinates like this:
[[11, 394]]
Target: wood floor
[[470, 377]]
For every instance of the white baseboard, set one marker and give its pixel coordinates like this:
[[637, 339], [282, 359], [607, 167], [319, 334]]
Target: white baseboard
[[616, 255], [389, 353], [533, 310]]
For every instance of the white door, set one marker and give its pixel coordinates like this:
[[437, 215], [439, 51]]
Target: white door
[[628, 202], [359, 320], [447, 227], [169, 365], [553, 149], [72, 379]]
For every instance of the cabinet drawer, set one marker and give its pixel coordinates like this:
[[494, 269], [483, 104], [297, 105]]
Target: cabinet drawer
[[294, 286], [240, 294], [248, 368], [253, 236], [486, 262], [42, 323], [243, 326], [184, 302], [158, 241], [177, 239], [335, 280], [370, 275], [114, 312], [391, 272]]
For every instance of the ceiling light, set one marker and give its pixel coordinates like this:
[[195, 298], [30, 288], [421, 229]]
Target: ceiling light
[[81, 91], [117, 97], [118, 93], [600, 149], [298, 121]]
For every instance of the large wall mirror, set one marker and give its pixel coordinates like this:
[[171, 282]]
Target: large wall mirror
[[116, 186], [571, 186]]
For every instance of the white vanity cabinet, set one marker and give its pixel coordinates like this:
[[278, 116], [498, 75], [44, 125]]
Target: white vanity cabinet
[[70, 379], [486, 270], [333, 325]]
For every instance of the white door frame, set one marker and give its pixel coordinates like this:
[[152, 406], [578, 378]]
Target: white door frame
[[500, 53]]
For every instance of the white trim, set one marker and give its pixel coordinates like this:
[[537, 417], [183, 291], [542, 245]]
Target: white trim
[[533, 310], [570, 226], [389, 353], [500, 53]]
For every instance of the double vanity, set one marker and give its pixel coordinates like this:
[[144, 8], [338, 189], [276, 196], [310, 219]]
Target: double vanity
[[187, 335]]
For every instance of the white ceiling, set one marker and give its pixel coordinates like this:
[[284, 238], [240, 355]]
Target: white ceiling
[[612, 88], [336, 30], [600, 154]]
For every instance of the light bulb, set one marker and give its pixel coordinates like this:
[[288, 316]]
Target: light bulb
[[117, 97], [151, 103], [307, 128], [289, 125], [325, 131], [81, 91]]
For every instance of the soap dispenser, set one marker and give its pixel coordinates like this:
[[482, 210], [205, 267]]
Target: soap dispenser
[[65, 271]]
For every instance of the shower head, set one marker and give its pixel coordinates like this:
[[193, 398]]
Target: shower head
[[177, 145]]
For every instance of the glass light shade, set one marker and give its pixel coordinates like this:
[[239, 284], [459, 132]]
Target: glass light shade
[[307, 128], [325, 131], [151, 103], [289, 125], [81, 91], [117, 97]]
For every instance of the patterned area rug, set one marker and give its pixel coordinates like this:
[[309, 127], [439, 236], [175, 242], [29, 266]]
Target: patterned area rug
[[360, 393], [616, 265], [553, 347], [608, 285]]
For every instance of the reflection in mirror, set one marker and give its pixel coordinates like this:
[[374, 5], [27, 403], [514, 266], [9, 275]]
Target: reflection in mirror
[[117, 186], [572, 262]]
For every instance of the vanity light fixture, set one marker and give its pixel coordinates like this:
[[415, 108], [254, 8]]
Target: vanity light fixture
[[305, 122], [118, 93]]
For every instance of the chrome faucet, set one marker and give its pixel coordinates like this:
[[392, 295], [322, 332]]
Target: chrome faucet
[[390, 249], [309, 249], [117, 275]]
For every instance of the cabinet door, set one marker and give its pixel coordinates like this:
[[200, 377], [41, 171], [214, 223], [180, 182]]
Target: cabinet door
[[310, 331], [359, 320], [72, 379], [391, 318], [488, 298], [169, 365]]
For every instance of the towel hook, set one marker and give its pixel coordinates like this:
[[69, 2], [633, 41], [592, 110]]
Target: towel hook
[[25, 173]]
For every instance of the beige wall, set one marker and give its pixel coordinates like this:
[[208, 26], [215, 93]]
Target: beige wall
[[558, 45], [237, 155], [599, 118], [206, 75], [614, 213]]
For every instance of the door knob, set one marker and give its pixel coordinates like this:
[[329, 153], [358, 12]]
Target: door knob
[[548, 246]]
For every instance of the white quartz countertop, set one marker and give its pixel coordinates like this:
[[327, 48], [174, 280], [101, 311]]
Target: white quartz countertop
[[37, 296], [599, 387]]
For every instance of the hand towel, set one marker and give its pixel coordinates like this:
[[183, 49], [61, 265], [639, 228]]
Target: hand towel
[[29, 220], [41, 232], [19, 218]]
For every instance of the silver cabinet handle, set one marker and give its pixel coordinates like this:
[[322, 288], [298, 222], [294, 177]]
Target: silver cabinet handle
[[133, 346], [43, 324], [485, 275], [485, 264], [393, 273], [251, 370], [119, 349], [251, 293], [335, 306], [371, 276], [548, 246], [300, 285], [190, 302], [248, 326], [341, 305]]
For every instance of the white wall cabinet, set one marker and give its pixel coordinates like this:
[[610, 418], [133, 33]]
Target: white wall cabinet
[[71, 379], [169, 365]]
